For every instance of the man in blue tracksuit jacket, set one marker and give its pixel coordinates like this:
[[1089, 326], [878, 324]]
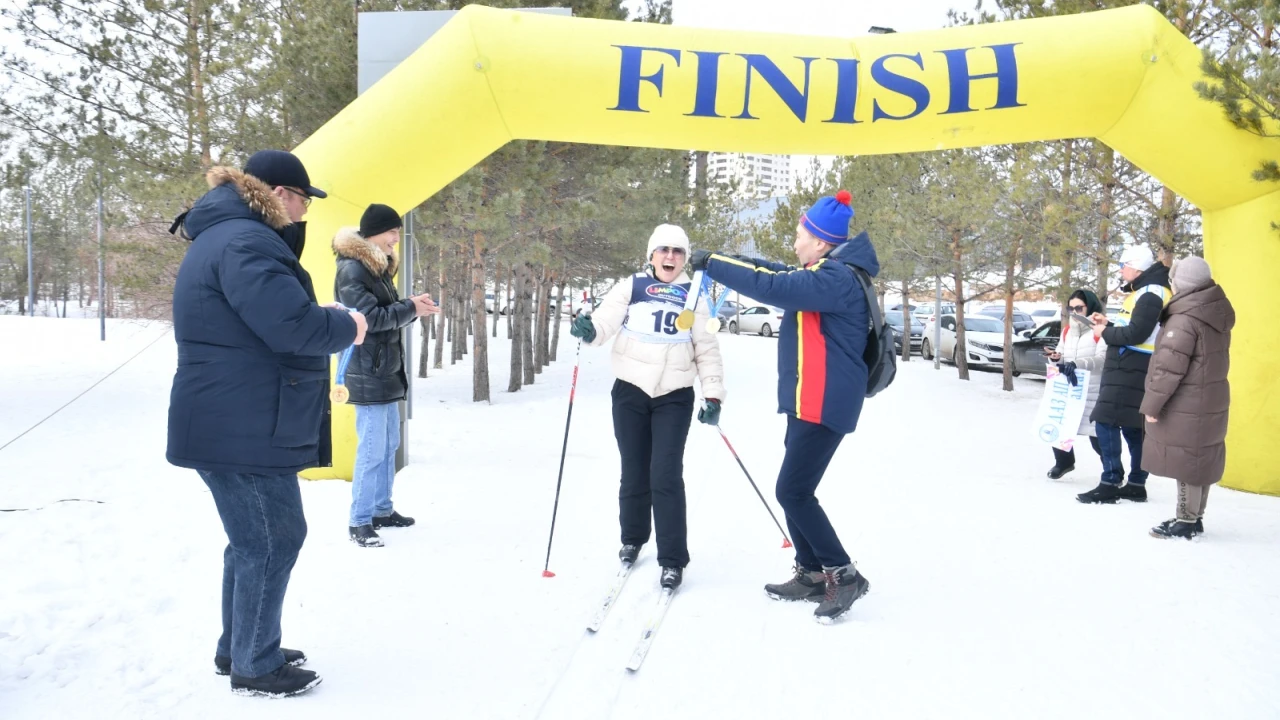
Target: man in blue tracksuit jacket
[[822, 379]]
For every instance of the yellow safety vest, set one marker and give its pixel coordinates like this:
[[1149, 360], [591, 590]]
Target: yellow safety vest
[[1126, 313]]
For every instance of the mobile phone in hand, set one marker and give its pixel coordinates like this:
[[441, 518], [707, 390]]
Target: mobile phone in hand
[[1082, 318]]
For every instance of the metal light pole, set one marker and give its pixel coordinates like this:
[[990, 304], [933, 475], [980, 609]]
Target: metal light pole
[[102, 278], [31, 287]]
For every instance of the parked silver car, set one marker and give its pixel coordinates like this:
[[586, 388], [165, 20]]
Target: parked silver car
[[761, 319]]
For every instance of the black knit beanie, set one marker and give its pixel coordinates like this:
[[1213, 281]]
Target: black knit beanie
[[378, 219]]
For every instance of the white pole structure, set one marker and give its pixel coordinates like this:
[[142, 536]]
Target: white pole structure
[[102, 278], [31, 287]]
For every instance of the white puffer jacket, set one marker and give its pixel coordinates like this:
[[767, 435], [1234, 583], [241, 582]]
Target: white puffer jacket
[[659, 368], [1080, 347]]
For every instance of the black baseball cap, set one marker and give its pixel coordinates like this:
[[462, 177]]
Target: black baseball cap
[[277, 167]]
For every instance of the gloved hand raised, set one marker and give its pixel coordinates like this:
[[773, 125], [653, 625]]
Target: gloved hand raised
[[710, 412], [698, 260], [583, 328]]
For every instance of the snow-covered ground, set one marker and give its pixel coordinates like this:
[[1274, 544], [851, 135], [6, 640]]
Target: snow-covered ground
[[994, 594]]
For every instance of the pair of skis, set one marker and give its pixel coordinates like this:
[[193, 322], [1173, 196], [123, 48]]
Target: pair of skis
[[650, 629]]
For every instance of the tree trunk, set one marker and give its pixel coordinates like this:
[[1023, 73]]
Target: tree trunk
[[1103, 258], [513, 328], [424, 351], [906, 323], [511, 301], [526, 325], [441, 319], [458, 323], [480, 361], [556, 321], [539, 315], [1068, 252], [959, 353], [1010, 268], [1168, 222], [497, 299]]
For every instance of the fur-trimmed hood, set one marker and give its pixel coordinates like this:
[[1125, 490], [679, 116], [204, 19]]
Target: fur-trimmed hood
[[233, 195], [348, 243]]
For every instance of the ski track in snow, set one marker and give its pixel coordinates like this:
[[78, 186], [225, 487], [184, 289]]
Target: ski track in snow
[[994, 593]]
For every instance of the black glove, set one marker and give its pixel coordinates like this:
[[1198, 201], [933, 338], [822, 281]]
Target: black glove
[[1068, 369], [710, 412], [698, 260], [583, 328]]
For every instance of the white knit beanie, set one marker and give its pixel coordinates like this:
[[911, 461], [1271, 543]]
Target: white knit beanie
[[1138, 257], [1190, 274], [667, 236]]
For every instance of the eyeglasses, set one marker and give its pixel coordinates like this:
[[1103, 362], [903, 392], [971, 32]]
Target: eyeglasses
[[306, 199], [669, 250], [1077, 308]]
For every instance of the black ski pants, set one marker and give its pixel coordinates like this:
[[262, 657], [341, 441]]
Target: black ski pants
[[651, 434]]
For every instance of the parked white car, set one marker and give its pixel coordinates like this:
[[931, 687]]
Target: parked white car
[[984, 336], [1045, 315], [760, 319]]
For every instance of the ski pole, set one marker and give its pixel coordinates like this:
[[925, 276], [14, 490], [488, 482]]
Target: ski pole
[[573, 389], [786, 542]]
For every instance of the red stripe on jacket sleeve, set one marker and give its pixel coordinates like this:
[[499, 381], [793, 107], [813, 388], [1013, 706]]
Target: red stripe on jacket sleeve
[[813, 368]]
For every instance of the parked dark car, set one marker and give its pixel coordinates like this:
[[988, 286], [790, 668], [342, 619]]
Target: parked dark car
[[1021, 320], [1028, 353], [894, 318]]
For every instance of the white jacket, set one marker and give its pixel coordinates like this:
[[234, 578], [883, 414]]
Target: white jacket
[[1080, 347], [660, 368]]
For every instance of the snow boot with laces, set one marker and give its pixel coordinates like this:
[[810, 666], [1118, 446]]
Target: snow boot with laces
[[844, 585], [804, 584]]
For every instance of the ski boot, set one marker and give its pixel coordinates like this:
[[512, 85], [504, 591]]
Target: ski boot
[[671, 578], [629, 553]]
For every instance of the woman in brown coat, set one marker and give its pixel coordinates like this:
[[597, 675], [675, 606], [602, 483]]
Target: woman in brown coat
[[1187, 394]]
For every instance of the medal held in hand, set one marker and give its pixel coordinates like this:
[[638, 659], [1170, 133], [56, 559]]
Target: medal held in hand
[[340, 394]]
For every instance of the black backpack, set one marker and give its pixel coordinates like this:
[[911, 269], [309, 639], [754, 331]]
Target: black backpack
[[880, 356]]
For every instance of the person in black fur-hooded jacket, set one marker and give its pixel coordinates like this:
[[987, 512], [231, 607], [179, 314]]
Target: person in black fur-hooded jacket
[[375, 377]]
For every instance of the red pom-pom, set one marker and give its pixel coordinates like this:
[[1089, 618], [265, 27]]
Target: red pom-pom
[[844, 197]]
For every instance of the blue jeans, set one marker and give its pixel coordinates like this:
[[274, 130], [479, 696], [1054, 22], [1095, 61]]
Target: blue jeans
[[810, 447], [1110, 449], [378, 428], [262, 516]]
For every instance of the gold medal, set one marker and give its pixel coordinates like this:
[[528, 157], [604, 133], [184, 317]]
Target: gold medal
[[685, 320], [340, 394], [713, 326]]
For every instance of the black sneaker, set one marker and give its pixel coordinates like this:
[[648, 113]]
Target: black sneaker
[[285, 681], [844, 585], [1175, 529], [1198, 525], [364, 536], [629, 553], [395, 519], [1103, 494], [671, 577], [1133, 493], [222, 663], [1057, 471], [808, 585]]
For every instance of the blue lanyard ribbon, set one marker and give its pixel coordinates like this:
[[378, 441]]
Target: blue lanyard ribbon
[[345, 359], [714, 306]]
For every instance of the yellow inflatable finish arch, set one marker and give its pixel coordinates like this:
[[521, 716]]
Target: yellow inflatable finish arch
[[1123, 76]]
